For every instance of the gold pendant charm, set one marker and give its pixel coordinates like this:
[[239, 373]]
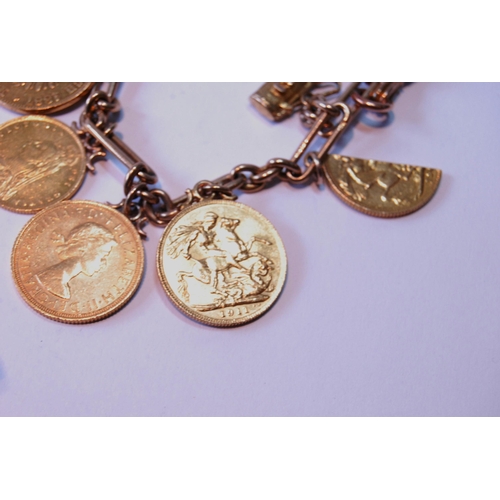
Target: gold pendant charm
[[42, 161], [41, 97], [221, 263], [379, 188], [277, 101], [78, 261]]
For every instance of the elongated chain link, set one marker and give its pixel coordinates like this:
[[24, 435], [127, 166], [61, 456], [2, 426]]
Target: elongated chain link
[[326, 116], [101, 108]]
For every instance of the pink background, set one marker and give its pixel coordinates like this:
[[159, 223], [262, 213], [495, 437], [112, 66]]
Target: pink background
[[377, 317]]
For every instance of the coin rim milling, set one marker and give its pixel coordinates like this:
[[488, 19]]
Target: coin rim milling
[[50, 109], [332, 183], [222, 322], [112, 308], [82, 168]]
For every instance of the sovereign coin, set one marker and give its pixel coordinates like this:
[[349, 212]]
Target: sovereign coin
[[78, 261], [222, 263], [380, 188], [41, 97], [42, 161]]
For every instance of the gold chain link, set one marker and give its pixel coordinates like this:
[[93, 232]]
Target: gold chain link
[[319, 111]]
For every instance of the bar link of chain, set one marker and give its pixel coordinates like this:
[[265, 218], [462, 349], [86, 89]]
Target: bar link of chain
[[325, 117], [101, 107]]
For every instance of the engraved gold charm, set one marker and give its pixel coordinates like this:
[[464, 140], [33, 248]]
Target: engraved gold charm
[[78, 261], [221, 263], [41, 97], [277, 101], [378, 188], [42, 161]]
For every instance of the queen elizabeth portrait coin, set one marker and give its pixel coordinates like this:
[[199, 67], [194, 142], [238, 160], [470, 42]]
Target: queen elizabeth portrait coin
[[78, 261]]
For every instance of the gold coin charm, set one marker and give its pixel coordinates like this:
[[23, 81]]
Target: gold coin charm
[[78, 261], [42, 161], [379, 188], [222, 263], [41, 97]]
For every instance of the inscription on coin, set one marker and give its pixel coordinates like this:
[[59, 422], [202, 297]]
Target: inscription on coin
[[41, 97], [78, 261], [222, 263], [42, 161], [378, 188]]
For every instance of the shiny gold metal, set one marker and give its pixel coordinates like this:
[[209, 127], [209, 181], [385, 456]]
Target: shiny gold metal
[[41, 97], [380, 188], [278, 100], [221, 263], [78, 261], [326, 115], [42, 161]]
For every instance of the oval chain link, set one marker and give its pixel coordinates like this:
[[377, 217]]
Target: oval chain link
[[145, 203]]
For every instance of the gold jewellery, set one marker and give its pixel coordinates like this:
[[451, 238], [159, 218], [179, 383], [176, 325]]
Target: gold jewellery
[[220, 262]]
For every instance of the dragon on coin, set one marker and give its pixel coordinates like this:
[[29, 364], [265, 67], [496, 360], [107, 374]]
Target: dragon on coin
[[222, 262]]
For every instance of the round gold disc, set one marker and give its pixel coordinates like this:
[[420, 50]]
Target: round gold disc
[[222, 263], [78, 261], [42, 161], [41, 97], [380, 188]]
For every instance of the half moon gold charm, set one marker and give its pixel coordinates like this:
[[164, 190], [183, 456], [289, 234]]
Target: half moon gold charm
[[42, 162], [78, 261], [380, 188], [221, 263]]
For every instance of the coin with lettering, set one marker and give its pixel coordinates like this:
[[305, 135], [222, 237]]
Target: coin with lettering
[[78, 261], [380, 188], [42, 162], [222, 263], [41, 97]]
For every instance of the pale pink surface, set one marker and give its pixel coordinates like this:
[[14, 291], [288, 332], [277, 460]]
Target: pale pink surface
[[377, 317]]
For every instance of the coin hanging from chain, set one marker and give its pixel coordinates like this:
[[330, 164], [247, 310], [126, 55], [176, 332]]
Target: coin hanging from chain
[[42, 97], [78, 261], [380, 188], [222, 263], [42, 161]]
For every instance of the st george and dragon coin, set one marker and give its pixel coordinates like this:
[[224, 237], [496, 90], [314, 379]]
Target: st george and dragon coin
[[222, 263]]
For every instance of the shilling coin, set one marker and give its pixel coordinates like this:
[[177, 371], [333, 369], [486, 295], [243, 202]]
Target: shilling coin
[[380, 188], [222, 263], [41, 97], [42, 161], [78, 261]]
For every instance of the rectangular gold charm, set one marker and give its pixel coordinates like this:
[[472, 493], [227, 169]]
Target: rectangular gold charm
[[278, 100]]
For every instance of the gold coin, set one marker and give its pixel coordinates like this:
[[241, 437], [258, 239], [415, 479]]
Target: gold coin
[[41, 97], [222, 263], [380, 188], [42, 161], [78, 261]]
